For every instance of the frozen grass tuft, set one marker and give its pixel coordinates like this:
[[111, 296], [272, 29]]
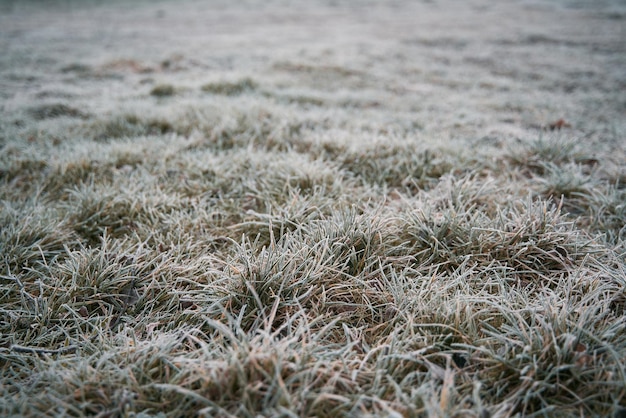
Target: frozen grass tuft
[[230, 88], [163, 90], [55, 110]]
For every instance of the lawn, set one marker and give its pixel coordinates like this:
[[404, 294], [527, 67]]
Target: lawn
[[329, 208]]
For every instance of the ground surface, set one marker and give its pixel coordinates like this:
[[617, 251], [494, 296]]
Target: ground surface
[[339, 208]]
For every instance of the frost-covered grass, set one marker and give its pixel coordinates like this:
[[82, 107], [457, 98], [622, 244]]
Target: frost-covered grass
[[216, 209]]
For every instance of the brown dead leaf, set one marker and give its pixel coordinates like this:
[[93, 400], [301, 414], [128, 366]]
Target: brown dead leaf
[[559, 124], [582, 357], [83, 311], [187, 304]]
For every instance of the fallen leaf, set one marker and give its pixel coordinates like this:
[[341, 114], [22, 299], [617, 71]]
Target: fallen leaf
[[83, 311], [559, 124]]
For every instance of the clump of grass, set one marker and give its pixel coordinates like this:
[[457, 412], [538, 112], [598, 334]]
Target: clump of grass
[[101, 213], [254, 126], [607, 213], [163, 90], [227, 88], [539, 155], [566, 181], [30, 237], [22, 172], [125, 126], [527, 242], [56, 110], [76, 68], [397, 165]]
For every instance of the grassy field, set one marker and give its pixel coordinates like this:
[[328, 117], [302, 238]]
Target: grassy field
[[330, 208]]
